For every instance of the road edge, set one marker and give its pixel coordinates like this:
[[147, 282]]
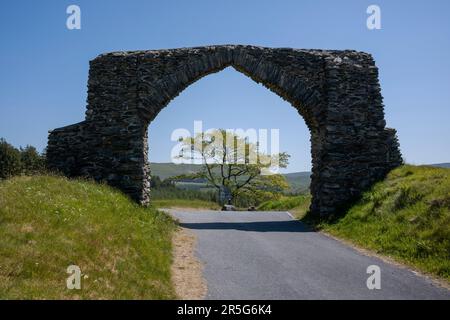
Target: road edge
[[442, 283], [186, 268]]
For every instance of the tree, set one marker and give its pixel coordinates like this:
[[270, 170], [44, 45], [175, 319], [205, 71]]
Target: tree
[[10, 164], [155, 182], [32, 161], [233, 165]]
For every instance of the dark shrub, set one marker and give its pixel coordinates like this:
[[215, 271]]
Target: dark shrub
[[10, 163], [32, 161]]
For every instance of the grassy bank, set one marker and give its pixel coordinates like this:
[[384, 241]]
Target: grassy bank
[[405, 217], [48, 223], [185, 203], [298, 206]]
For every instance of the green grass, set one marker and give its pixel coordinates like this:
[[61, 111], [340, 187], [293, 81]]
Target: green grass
[[406, 217], [298, 205], [172, 192], [298, 181], [168, 169], [185, 203], [48, 223]]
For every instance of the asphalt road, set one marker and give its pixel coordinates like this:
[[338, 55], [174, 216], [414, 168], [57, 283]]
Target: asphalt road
[[268, 255]]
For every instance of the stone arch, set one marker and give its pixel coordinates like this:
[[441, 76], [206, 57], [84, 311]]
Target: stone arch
[[336, 92]]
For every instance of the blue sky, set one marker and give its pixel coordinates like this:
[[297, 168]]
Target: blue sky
[[44, 66]]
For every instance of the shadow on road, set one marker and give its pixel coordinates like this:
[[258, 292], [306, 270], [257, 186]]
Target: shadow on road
[[259, 226]]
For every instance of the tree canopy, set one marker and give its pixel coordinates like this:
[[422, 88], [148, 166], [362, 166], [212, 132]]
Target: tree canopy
[[234, 165]]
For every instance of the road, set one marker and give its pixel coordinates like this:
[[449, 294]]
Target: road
[[268, 255]]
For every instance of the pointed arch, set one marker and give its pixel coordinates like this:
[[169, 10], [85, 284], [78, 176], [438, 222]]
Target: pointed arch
[[336, 92]]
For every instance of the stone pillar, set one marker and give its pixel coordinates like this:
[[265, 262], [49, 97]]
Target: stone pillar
[[356, 148]]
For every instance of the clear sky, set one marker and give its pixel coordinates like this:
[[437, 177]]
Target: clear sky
[[44, 66]]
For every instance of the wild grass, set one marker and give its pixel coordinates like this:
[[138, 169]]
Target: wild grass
[[48, 223], [185, 203], [406, 217], [297, 205]]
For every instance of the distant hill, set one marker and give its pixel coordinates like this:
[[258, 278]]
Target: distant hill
[[167, 170], [299, 181], [441, 165]]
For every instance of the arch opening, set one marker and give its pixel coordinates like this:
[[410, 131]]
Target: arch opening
[[228, 100]]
